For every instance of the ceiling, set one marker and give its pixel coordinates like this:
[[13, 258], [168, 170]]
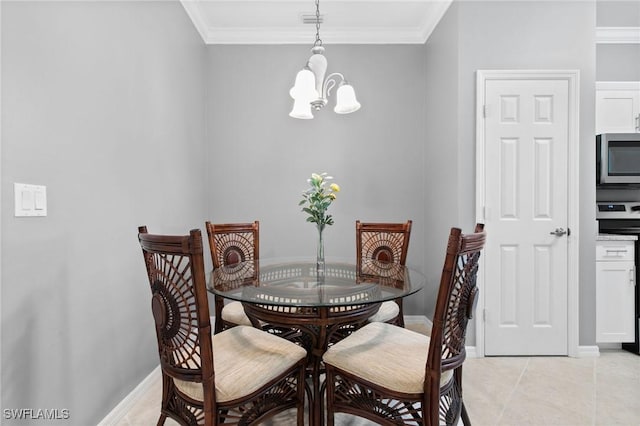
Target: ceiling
[[344, 21]]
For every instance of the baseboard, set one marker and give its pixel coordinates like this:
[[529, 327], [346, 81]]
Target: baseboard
[[117, 414], [417, 319], [609, 346], [588, 351], [471, 352], [424, 321]]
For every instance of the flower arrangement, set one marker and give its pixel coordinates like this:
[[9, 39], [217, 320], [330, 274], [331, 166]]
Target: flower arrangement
[[318, 198]]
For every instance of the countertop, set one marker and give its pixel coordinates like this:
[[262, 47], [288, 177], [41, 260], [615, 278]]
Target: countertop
[[616, 237]]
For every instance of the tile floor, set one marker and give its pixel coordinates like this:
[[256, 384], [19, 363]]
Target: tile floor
[[518, 391]]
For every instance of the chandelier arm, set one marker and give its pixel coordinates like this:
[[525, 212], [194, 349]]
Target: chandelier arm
[[330, 82]]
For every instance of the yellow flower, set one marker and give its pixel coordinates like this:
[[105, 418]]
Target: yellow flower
[[317, 199]]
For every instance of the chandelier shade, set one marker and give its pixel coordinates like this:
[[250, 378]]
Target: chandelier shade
[[301, 109], [311, 88], [346, 101], [305, 86]]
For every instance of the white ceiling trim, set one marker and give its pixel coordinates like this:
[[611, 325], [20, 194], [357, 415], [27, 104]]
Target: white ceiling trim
[[439, 9], [297, 35], [618, 35], [193, 10], [368, 35]]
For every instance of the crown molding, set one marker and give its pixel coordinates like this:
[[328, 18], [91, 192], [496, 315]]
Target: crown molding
[[195, 14], [617, 35], [300, 35], [368, 35], [439, 9]]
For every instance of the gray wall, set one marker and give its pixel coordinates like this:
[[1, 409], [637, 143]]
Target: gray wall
[[612, 13], [260, 157], [442, 182], [513, 35], [103, 103]]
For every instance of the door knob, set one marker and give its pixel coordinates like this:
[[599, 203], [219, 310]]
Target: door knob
[[559, 232]]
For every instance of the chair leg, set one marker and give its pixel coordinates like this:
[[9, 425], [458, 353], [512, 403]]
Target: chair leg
[[162, 419], [330, 392], [465, 416], [302, 392], [400, 319], [219, 322]]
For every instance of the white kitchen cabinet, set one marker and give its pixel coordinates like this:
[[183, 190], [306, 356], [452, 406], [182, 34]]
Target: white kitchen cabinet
[[617, 107], [615, 286]]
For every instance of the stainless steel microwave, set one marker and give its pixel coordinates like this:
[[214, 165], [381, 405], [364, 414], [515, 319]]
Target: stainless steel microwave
[[618, 159]]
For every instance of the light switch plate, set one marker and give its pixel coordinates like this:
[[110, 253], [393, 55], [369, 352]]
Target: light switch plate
[[30, 200]]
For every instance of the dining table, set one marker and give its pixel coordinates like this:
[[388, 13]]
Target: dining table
[[313, 304]]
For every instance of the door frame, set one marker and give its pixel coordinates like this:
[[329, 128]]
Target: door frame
[[573, 79], [1, 140]]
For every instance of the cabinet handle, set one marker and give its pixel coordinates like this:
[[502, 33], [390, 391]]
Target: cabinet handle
[[611, 252], [638, 123], [632, 276]]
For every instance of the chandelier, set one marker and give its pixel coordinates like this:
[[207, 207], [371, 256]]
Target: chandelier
[[311, 88]]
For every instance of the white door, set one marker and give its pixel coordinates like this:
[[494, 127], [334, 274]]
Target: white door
[[526, 201]]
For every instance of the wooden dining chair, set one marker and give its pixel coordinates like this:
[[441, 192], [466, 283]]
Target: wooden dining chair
[[240, 376], [231, 243], [388, 244], [391, 375]]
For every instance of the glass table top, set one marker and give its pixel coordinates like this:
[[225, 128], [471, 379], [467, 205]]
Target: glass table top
[[300, 283]]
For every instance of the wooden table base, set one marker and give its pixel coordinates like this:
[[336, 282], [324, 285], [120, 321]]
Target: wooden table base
[[315, 328]]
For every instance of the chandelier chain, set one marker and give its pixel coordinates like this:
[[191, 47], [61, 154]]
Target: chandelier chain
[[312, 86], [318, 41]]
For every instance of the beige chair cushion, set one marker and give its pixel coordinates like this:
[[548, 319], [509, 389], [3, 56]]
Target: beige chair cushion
[[244, 359], [388, 311], [234, 312], [384, 354]]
